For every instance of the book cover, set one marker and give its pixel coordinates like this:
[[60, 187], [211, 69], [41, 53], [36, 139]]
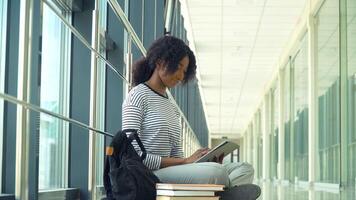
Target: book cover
[[194, 187], [185, 193]]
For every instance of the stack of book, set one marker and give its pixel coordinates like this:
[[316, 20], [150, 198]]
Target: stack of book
[[167, 191]]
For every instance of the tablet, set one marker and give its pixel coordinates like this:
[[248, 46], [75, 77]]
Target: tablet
[[225, 148]]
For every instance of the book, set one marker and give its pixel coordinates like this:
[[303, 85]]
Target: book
[[226, 147], [186, 198], [190, 187], [185, 193]]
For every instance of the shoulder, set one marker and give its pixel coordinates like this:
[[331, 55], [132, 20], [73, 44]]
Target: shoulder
[[136, 96]]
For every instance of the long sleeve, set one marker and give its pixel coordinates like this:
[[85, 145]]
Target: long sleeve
[[132, 118], [177, 151]]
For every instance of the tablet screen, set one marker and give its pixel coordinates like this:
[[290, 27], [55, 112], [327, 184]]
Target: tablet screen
[[225, 148]]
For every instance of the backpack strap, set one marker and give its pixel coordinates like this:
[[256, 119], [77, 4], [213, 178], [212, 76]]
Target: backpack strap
[[134, 136]]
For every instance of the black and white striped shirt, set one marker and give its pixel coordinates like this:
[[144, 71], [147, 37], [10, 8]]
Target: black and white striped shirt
[[158, 123]]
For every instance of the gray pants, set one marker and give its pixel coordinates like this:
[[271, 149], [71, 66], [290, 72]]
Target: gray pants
[[229, 174]]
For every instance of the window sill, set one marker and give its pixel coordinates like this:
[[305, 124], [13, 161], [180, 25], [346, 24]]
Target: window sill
[[7, 197], [65, 193]]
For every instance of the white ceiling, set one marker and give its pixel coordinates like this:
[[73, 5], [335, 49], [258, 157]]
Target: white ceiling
[[238, 44]]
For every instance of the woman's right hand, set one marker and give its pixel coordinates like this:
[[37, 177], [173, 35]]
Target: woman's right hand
[[196, 155]]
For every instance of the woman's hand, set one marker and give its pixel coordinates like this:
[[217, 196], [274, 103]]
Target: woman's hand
[[218, 159], [196, 155]]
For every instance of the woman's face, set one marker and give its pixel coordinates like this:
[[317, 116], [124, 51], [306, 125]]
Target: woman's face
[[172, 79]]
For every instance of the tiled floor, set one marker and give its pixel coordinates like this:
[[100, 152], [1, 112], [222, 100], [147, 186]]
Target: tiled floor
[[272, 191]]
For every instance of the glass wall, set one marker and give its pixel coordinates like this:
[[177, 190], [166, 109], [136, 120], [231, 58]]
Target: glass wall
[[62, 82], [3, 18], [328, 86], [53, 156], [287, 125], [351, 92], [295, 95], [275, 131], [300, 111]]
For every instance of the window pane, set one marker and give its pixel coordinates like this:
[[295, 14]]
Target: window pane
[[300, 112], [54, 95], [328, 136], [3, 13], [351, 105]]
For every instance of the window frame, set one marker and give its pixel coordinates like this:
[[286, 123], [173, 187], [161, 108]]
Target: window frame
[[65, 90], [3, 35], [101, 90]]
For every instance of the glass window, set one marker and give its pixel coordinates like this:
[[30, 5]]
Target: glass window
[[136, 12], [351, 90], [3, 14], [328, 86], [300, 111], [54, 97], [275, 131]]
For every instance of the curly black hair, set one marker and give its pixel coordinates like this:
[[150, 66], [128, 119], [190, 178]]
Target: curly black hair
[[168, 49]]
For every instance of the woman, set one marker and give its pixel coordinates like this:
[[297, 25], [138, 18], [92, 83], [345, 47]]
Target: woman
[[148, 109]]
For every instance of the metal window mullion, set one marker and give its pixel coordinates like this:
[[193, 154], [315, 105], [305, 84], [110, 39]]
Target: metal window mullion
[[187, 141], [3, 32], [65, 100], [265, 136], [281, 142], [155, 21], [255, 143], [169, 15], [272, 133], [93, 104], [23, 93], [291, 116], [129, 62], [312, 99], [248, 144], [142, 19], [128, 54], [190, 143], [101, 96], [344, 121]]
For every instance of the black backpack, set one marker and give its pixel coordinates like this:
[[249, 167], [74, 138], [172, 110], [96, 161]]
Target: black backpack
[[125, 176]]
